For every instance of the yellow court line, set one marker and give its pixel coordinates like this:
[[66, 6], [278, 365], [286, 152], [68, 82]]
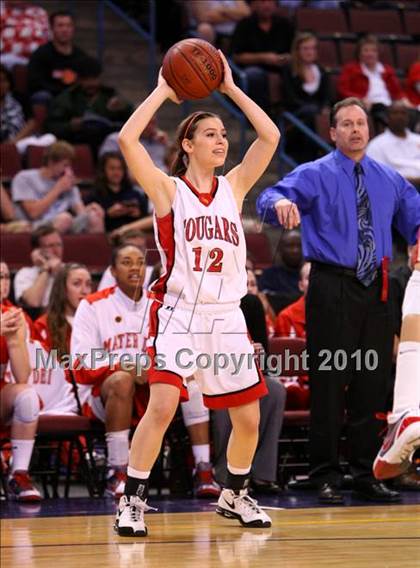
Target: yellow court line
[[344, 521]]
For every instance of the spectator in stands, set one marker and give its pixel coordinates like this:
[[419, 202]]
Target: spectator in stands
[[114, 321], [32, 284], [412, 84], [270, 316], [87, 111], [13, 124], [264, 468], [370, 80], [306, 92], [398, 147], [49, 194], [155, 140], [54, 65], [115, 194], [282, 280], [8, 221], [261, 45], [291, 321], [215, 19], [19, 404]]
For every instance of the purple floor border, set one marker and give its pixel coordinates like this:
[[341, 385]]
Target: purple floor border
[[85, 506]]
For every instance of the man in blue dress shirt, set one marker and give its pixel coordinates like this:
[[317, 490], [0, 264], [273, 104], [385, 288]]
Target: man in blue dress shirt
[[347, 204]]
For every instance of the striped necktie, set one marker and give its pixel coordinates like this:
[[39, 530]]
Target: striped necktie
[[366, 248]]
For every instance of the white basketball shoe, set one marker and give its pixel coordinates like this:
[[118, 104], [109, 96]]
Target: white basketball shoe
[[243, 508], [129, 520]]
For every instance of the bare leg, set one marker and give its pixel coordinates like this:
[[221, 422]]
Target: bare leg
[[243, 439], [147, 439]]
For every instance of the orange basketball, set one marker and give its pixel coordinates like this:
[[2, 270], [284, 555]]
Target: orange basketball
[[193, 68]]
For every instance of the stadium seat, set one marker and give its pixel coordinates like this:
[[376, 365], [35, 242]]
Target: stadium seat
[[329, 21], [84, 167], [293, 442], [348, 48], [259, 248], [52, 432], [327, 54], [20, 79], [412, 22], [15, 249], [93, 250], [34, 156], [407, 55], [322, 124], [290, 350], [10, 161], [152, 253], [381, 22]]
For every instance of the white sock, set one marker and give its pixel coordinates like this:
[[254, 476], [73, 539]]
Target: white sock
[[117, 444], [21, 454], [237, 470], [407, 380], [131, 472], [201, 453], [411, 303]]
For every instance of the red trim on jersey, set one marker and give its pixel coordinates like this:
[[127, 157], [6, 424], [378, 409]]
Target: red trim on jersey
[[166, 240], [240, 397], [94, 377], [100, 295], [204, 198], [168, 378]]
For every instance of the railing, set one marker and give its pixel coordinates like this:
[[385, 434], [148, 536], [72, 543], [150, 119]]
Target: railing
[[149, 37], [284, 158]]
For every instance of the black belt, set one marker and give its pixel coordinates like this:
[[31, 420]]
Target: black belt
[[343, 270]]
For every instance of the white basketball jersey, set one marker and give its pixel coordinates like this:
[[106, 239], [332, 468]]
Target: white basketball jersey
[[106, 326], [202, 247], [49, 381]]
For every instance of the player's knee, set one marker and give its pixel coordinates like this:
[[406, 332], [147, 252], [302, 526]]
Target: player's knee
[[122, 384], [162, 412], [247, 424], [26, 405]]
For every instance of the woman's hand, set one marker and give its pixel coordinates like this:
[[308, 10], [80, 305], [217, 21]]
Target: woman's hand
[[12, 325], [227, 83], [170, 92]]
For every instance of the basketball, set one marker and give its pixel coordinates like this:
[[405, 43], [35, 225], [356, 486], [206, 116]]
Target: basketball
[[193, 68]]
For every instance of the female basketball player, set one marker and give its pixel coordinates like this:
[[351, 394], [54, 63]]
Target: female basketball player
[[403, 436], [196, 325]]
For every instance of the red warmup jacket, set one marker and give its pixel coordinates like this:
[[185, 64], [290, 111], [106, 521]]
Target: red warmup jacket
[[412, 78], [353, 83]]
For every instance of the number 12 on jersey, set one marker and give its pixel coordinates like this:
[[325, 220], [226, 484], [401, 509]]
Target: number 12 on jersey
[[216, 257]]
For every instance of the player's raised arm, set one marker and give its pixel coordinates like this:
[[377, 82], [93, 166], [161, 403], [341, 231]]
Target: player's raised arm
[[158, 186], [259, 155]]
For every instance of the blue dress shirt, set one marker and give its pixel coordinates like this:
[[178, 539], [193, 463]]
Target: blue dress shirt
[[325, 193]]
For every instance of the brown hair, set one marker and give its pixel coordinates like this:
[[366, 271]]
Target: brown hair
[[349, 101], [58, 151], [186, 129], [58, 326], [296, 64], [101, 182], [364, 41], [42, 231]]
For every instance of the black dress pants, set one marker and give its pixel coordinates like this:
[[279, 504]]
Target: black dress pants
[[349, 337]]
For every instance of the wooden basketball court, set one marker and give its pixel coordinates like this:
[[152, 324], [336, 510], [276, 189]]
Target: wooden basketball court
[[384, 536]]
